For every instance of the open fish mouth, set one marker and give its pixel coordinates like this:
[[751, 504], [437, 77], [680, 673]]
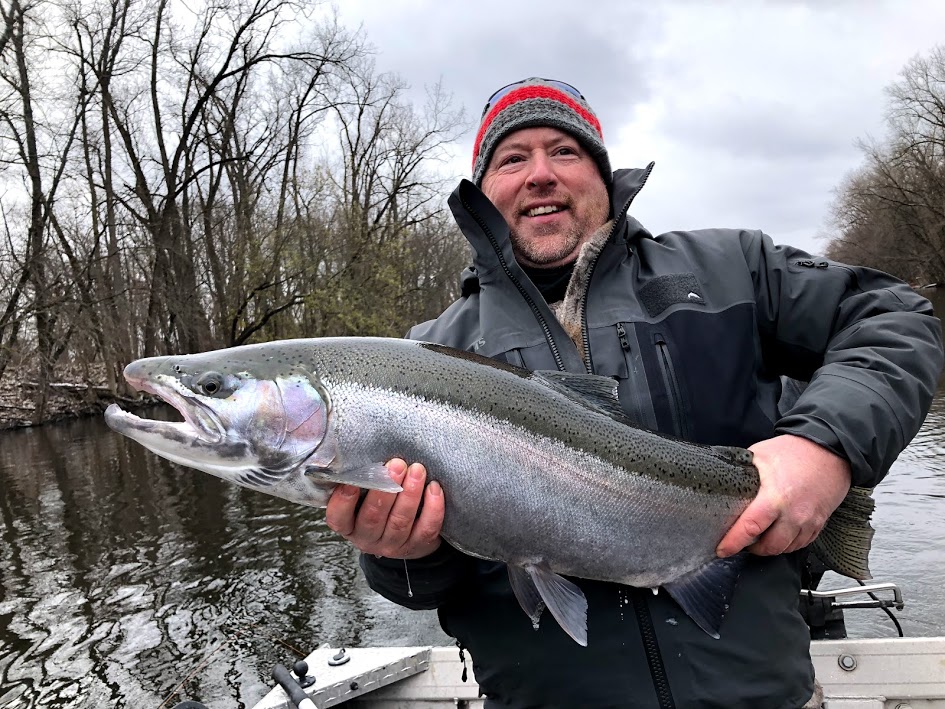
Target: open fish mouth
[[201, 423]]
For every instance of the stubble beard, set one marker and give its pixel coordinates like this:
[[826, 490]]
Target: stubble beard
[[548, 246], [542, 249]]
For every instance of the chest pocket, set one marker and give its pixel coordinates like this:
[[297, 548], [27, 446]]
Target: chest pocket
[[617, 354], [671, 289], [644, 360]]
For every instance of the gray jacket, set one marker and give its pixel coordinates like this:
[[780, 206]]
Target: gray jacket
[[697, 327]]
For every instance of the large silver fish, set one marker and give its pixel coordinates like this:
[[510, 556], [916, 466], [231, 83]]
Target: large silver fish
[[540, 470]]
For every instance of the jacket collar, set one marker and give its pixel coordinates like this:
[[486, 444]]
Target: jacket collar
[[523, 320]]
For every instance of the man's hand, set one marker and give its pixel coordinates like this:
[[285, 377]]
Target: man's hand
[[387, 524], [802, 483]]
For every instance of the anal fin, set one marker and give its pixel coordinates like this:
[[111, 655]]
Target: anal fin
[[563, 598], [706, 593]]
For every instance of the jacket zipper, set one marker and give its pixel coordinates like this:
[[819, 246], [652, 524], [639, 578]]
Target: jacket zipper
[[641, 609], [672, 386], [585, 334], [653, 657], [521, 289], [636, 395]]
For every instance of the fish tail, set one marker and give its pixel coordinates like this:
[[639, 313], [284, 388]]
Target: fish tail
[[845, 541]]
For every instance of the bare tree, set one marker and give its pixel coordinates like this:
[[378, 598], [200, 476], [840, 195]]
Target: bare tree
[[385, 190], [42, 150], [175, 179], [891, 213]]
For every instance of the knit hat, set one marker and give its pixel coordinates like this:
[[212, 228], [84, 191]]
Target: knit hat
[[538, 102]]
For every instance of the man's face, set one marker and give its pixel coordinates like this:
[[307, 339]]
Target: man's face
[[550, 192]]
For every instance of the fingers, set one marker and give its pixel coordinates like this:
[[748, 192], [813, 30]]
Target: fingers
[[362, 524], [748, 528], [371, 520], [388, 524], [425, 537], [403, 514], [340, 511], [766, 529]]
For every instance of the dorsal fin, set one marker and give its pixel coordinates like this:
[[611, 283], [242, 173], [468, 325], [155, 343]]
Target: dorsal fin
[[589, 390]]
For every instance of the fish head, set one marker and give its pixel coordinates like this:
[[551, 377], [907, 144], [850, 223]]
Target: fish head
[[249, 417]]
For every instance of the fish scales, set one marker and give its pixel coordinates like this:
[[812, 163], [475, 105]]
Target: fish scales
[[501, 474], [511, 394]]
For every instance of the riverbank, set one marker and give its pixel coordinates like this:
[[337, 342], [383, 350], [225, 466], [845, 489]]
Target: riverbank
[[72, 393]]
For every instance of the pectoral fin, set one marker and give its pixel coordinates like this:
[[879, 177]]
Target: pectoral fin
[[372, 477], [706, 593], [538, 586]]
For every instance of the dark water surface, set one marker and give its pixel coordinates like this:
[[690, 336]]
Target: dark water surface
[[123, 576]]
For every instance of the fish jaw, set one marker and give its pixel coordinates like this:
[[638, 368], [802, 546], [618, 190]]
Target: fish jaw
[[183, 442]]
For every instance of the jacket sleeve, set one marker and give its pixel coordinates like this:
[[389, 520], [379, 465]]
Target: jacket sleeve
[[868, 344], [420, 584]]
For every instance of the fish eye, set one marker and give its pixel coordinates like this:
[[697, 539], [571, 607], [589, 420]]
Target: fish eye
[[209, 383]]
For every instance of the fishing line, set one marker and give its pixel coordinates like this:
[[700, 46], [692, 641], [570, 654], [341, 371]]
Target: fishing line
[[407, 575]]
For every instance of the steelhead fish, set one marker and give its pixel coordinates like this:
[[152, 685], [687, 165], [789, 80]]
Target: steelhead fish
[[540, 470]]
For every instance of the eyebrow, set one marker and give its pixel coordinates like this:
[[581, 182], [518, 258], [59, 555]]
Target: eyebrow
[[520, 145]]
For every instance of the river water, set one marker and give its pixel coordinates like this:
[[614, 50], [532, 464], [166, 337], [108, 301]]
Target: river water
[[128, 582]]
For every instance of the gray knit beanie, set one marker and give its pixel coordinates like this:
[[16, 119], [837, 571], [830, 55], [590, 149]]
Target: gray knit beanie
[[538, 102]]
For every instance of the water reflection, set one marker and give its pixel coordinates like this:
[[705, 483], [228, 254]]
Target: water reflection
[[124, 578]]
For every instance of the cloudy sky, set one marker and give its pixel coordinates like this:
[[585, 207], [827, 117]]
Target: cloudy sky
[[750, 108]]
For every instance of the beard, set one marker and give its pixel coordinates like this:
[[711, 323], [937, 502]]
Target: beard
[[544, 249], [548, 245]]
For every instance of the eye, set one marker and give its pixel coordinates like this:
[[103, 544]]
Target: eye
[[511, 160], [209, 383]]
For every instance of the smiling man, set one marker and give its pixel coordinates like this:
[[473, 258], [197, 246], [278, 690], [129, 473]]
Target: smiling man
[[696, 328]]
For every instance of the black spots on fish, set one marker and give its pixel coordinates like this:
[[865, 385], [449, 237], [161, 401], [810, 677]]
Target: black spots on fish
[[665, 469], [733, 454]]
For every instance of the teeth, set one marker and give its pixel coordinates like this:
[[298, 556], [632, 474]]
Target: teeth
[[543, 210]]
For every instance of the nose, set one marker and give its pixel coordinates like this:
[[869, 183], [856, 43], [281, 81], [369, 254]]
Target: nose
[[541, 170]]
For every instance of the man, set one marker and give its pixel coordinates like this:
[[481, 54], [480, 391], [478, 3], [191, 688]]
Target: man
[[696, 328]]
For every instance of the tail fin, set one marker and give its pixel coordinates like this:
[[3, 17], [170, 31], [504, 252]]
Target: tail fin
[[844, 543]]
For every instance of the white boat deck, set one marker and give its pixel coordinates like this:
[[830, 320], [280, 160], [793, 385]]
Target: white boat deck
[[898, 673]]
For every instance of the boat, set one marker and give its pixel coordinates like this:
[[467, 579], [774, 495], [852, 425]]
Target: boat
[[861, 673], [888, 673]]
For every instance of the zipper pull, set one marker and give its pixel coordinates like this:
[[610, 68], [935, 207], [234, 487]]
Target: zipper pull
[[622, 335], [462, 658]]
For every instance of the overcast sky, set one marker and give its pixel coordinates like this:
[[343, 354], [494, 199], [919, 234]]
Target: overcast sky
[[750, 108]]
